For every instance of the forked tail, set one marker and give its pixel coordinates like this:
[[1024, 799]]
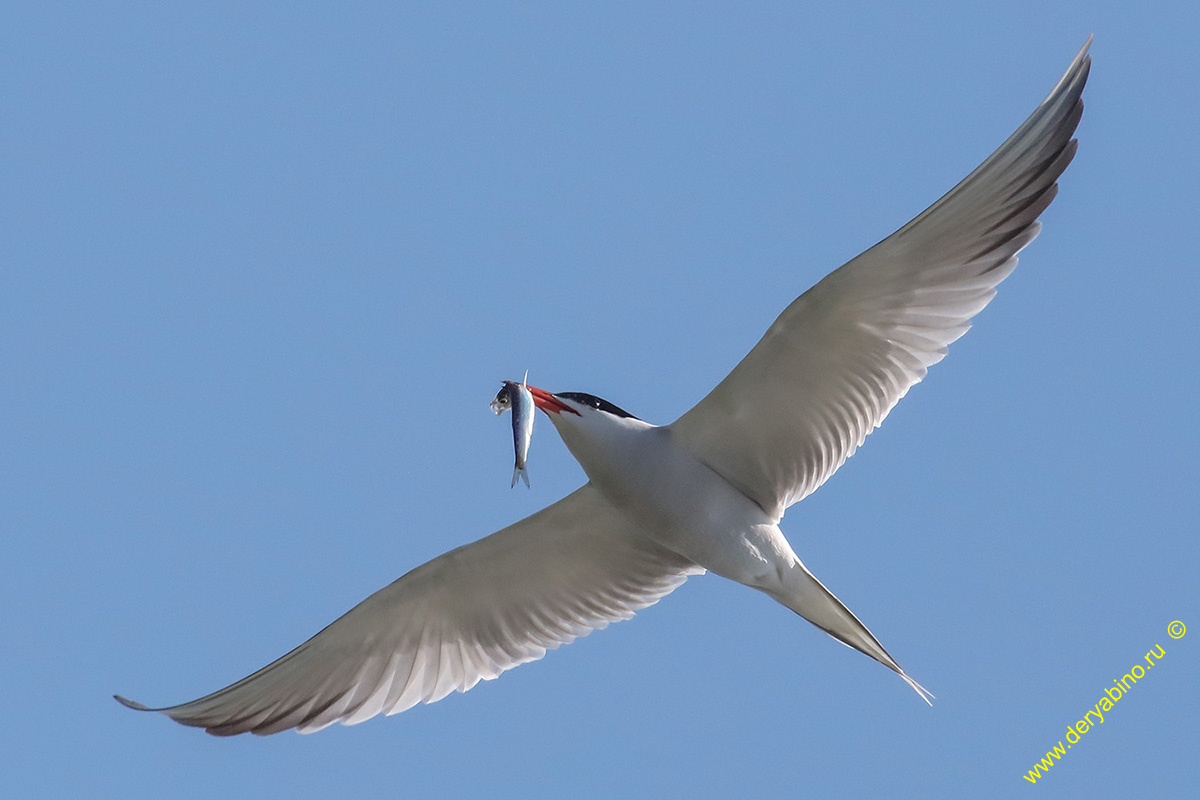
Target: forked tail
[[809, 598], [519, 473]]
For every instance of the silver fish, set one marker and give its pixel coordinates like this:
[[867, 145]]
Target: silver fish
[[516, 396]]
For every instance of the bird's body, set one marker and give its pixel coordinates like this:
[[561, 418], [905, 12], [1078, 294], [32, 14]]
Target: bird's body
[[681, 503], [673, 497], [705, 493]]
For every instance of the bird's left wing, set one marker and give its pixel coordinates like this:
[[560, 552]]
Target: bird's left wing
[[842, 354], [465, 616]]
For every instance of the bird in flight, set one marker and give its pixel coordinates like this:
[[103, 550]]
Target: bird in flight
[[705, 493]]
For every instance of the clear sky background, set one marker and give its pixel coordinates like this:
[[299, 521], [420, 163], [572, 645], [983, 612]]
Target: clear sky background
[[262, 268]]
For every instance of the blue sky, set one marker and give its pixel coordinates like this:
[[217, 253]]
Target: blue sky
[[264, 267]]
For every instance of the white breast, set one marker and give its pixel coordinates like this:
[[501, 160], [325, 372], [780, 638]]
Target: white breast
[[672, 496]]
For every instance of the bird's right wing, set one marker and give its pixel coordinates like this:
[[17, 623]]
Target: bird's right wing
[[465, 616], [842, 354]]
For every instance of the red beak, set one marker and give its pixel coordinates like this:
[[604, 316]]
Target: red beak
[[548, 402]]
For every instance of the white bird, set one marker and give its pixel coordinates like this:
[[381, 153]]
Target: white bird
[[704, 493]]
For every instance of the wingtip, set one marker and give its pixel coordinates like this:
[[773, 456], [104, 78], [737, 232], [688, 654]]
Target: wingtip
[[135, 705], [1080, 63], [1083, 56], [1082, 53]]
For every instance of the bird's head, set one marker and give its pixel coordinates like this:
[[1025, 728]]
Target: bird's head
[[589, 425], [579, 404]]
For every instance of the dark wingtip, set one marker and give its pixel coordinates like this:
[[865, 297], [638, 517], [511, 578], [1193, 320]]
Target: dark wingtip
[[135, 705]]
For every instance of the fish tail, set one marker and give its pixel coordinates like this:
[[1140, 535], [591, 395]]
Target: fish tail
[[522, 473]]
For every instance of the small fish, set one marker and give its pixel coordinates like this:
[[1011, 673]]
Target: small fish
[[516, 396]]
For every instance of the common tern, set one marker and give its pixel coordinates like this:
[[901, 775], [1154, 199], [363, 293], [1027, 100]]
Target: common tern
[[705, 493]]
